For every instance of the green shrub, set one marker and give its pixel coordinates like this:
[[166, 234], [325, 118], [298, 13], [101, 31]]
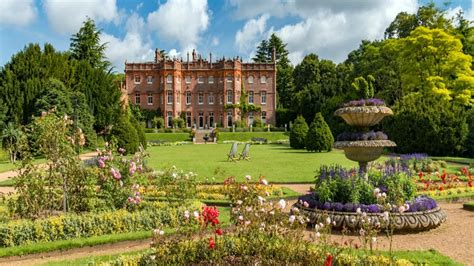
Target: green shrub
[[469, 142], [140, 131], [20, 232], [298, 133], [125, 135], [159, 122], [178, 122], [426, 124], [257, 122], [319, 136]]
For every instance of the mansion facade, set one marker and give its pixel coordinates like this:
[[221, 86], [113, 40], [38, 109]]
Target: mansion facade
[[205, 93]]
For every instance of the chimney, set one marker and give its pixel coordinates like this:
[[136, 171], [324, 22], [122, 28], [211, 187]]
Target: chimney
[[210, 59], [274, 54], [188, 57], [194, 55], [157, 55]]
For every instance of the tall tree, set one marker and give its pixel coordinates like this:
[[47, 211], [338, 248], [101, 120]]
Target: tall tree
[[86, 46], [261, 55]]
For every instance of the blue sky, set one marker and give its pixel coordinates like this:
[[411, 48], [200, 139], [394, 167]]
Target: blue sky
[[133, 29]]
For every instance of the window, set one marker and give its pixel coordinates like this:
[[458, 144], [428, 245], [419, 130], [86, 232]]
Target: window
[[229, 78], [200, 79], [137, 98], [178, 97], [210, 79], [264, 97], [250, 97], [188, 97], [150, 99], [229, 96], [250, 79], [137, 79], [169, 79], [264, 117], [170, 119], [188, 79], [149, 79], [201, 98], [170, 97], [211, 98], [263, 79]]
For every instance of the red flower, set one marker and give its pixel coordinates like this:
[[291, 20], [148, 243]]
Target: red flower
[[328, 260], [440, 188], [469, 183], [219, 231], [443, 176], [420, 174], [212, 243], [211, 215]]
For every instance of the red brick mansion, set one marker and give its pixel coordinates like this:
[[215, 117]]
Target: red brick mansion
[[199, 90]]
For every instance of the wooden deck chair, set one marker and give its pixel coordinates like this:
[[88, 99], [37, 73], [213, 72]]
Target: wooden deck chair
[[232, 156], [245, 152]]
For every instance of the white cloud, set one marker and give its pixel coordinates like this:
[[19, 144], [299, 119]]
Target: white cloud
[[181, 21], [467, 14], [252, 32], [17, 12], [66, 17], [134, 47], [330, 29], [173, 53], [215, 41], [250, 8]]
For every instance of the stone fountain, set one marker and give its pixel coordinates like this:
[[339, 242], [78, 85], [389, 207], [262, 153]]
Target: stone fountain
[[363, 117]]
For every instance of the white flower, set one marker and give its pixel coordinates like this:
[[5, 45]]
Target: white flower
[[247, 222], [376, 191], [384, 195], [244, 187], [248, 209], [374, 239], [239, 202], [264, 182], [196, 214], [318, 234], [282, 203], [334, 223], [174, 175], [353, 220], [358, 210], [306, 204], [260, 200], [272, 212], [316, 227], [267, 193], [401, 209], [186, 214], [328, 220], [295, 210], [248, 177], [241, 218], [162, 232], [292, 219], [407, 207], [321, 225], [362, 232], [377, 224], [152, 257]]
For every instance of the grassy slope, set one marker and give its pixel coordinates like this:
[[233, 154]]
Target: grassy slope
[[278, 163]]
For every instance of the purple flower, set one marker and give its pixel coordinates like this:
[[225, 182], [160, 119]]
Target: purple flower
[[115, 173]]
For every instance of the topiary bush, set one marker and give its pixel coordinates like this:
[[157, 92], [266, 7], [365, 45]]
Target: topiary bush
[[178, 122], [319, 136], [298, 133], [140, 131], [126, 135]]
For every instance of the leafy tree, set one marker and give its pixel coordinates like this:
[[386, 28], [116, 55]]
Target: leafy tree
[[298, 133], [469, 143], [3, 113], [319, 136], [86, 46], [13, 139], [429, 124], [364, 88], [140, 131]]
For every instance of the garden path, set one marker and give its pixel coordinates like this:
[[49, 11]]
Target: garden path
[[12, 173]]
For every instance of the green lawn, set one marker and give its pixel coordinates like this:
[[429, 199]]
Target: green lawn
[[247, 136], [278, 163], [167, 137], [459, 160]]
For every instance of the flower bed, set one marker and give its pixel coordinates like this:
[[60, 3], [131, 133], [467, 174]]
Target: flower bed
[[468, 206], [19, 232]]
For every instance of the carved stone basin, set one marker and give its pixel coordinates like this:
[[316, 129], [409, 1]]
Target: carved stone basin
[[363, 116], [363, 150]]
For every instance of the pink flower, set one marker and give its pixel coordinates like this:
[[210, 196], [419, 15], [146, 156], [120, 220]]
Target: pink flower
[[115, 173], [132, 168], [101, 163], [121, 150]]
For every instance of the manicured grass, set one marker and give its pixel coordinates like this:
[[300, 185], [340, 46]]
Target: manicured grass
[[224, 218], [429, 257], [469, 206], [278, 163], [459, 160], [247, 136], [7, 183], [167, 137]]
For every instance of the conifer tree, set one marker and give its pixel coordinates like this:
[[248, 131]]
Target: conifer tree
[[319, 137], [298, 133]]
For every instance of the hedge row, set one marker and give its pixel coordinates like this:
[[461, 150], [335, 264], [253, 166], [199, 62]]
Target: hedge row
[[20, 232], [247, 136]]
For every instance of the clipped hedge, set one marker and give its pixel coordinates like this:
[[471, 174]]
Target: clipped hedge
[[20, 232]]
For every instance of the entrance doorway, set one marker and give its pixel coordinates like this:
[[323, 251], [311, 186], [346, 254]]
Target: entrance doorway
[[201, 120], [211, 119]]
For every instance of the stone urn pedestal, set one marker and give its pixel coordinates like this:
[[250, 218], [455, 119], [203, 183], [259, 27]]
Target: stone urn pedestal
[[363, 117]]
